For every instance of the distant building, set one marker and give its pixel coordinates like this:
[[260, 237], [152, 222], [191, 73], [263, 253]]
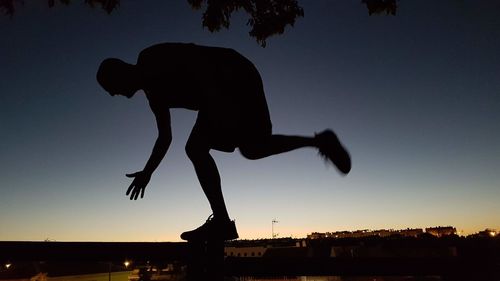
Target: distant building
[[441, 231], [339, 234], [409, 232], [317, 235], [259, 248], [248, 251], [486, 233], [383, 232]]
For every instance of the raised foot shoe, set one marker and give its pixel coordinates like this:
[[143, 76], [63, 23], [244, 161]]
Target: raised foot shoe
[[212, 229], [331, 149]]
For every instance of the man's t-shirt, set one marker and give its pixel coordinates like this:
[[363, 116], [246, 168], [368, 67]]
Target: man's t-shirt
[[220, 83]]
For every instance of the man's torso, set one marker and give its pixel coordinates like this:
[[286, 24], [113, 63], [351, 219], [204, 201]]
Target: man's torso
[[191, 76]]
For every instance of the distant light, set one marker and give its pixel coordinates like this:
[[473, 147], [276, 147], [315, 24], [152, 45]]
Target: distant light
[[126, 263], [7, 265], [493, 233]]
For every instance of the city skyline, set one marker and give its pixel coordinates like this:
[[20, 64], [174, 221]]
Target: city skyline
[[414, 97]]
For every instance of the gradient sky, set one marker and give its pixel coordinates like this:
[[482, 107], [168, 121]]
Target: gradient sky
[[415, 98]]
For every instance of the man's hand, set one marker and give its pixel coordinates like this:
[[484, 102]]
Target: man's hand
[[138, 185]]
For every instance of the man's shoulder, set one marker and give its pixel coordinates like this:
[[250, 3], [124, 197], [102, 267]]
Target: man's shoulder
[[167, 47], [176, 50], [164, 51], [170, 45]]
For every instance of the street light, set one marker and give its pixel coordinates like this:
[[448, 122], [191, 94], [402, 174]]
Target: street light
[[126, 263], [8, 265]]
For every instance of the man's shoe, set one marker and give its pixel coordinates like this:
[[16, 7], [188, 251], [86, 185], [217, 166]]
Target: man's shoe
[[331, 149], [212, 229]]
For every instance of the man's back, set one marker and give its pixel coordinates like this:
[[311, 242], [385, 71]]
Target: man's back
[[187, 75]]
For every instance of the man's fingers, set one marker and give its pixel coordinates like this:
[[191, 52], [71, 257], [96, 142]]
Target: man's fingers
[[130, 188], [136, 192]]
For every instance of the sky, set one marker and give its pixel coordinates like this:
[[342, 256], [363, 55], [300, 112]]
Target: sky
[[414, 97]]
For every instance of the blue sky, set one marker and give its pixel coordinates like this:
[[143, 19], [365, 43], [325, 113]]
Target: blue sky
[[414, 97]]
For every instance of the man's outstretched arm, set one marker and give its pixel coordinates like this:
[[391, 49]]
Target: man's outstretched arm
[[141, 178]]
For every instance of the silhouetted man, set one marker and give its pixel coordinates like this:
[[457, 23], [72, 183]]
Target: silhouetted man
[[226, 90]]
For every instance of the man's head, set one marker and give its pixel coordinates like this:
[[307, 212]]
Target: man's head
[[118, 77]]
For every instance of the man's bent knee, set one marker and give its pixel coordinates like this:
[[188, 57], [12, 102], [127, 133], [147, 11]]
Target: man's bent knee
[[250, 152], [196, 151]]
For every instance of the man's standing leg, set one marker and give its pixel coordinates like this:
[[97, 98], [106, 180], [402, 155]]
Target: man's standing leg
[[198, 151]]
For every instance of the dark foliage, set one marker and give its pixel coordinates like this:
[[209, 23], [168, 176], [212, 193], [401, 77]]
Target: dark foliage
[[8, 6], [107, 5], [381, 6], [266, 17], [53, 2]]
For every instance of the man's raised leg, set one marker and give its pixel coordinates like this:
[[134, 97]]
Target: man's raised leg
[[327, 142]]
